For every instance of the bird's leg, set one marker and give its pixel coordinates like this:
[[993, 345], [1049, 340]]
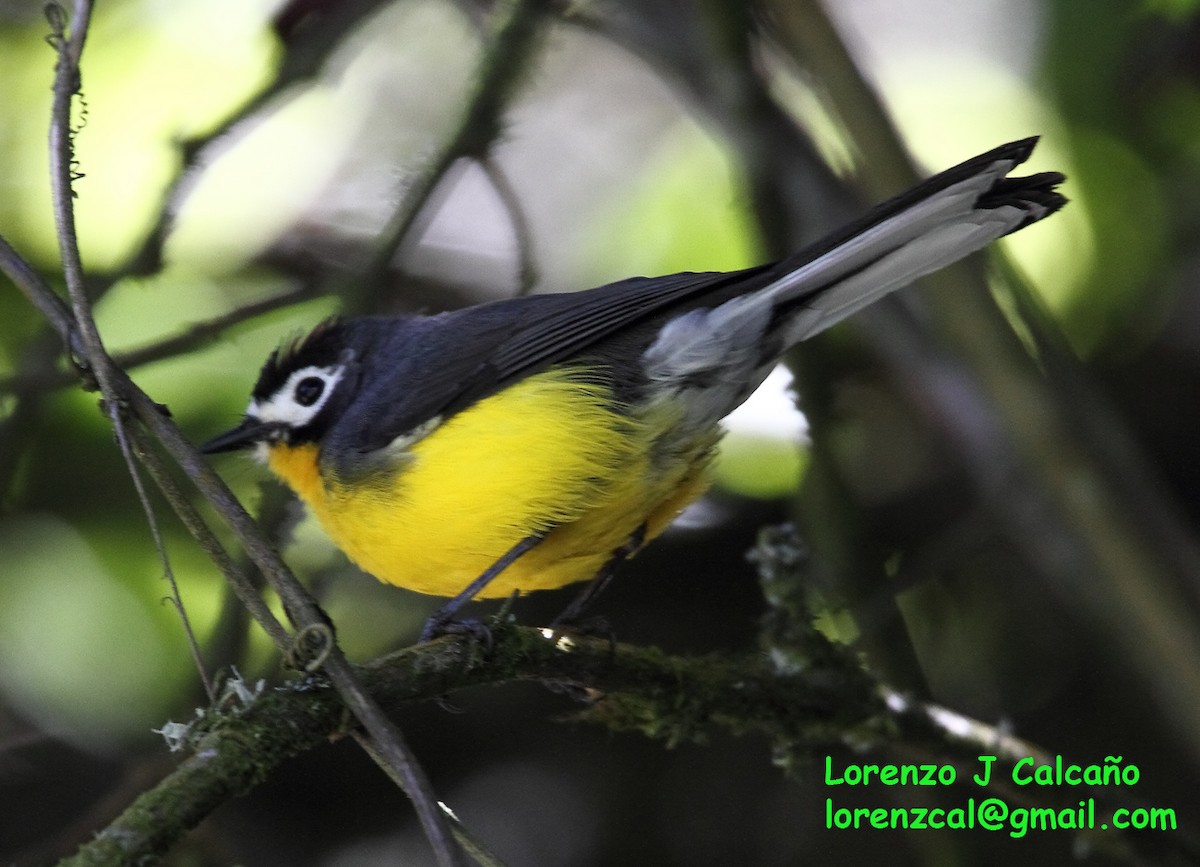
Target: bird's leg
[[572, 615], [442, 620]]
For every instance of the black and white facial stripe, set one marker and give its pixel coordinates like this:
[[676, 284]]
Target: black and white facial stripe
[[300, 399]]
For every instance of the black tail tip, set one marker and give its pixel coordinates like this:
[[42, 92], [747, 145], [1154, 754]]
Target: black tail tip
[[1037, 195]]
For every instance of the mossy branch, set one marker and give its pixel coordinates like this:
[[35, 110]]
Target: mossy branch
[[669, 697], [804, 714]]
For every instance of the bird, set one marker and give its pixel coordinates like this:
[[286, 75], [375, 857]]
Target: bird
[[538, 441]]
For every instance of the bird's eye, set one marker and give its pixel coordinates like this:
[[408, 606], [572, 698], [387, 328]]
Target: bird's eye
[[309, 390]]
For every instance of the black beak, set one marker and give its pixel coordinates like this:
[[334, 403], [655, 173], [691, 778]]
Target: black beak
[[250, 432]]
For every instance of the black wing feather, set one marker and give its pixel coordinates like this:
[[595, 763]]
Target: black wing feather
[[439, 365], [591, 316], [418, 368]]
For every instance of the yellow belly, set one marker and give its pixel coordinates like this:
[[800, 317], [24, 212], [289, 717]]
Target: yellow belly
[[548, 454]]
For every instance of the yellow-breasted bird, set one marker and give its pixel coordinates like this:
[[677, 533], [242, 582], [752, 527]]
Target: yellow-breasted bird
[[538, 441]]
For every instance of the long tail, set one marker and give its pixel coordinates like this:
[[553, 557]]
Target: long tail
[[718, 355], [937, 222]]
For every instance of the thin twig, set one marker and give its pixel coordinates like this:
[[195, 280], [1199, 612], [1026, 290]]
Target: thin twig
[[506, 57], [672, 698], [150, 414], [119, 390], [307, 49], [242, 587], [35, 290], [471, 844], [175, 596], [527, 268], [20, 418], [403, 767], [303, 611], [67, 85], [810, 39], [193, 337]]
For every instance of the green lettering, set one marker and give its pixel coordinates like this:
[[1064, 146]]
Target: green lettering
[[1163, 818], [1018, 820], [839, 818], [985, 775], [1043, 818]]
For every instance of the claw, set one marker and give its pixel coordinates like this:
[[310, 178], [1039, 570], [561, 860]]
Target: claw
[[439, 624]]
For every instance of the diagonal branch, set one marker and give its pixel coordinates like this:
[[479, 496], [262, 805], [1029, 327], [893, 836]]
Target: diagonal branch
[[120, 393], [310, 33], [195, 336], [507, 55], [67, 85], [808, 712], [36, 291]]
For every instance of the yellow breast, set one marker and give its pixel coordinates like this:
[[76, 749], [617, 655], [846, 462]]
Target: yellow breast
[[548, 454]]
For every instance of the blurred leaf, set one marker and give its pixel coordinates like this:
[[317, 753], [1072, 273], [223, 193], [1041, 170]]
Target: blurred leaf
[[79, 651], [763, 454], [148, 82], [334, 155], [761, 467], [686, 212], [1127, 209], [1176, 10]]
